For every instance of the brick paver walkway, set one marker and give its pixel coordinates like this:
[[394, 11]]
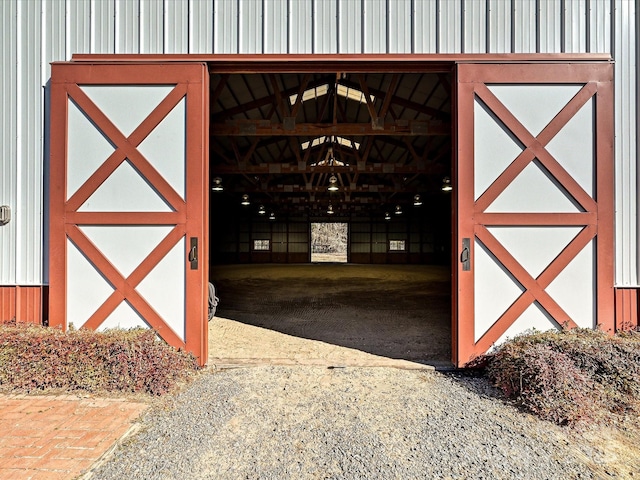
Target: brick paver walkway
[[59, 437]]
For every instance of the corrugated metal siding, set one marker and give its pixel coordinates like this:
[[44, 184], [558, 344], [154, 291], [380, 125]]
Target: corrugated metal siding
[[291, 26], [8, 144]]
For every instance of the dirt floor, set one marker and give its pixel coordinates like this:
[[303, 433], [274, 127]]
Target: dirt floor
[[399, 312]]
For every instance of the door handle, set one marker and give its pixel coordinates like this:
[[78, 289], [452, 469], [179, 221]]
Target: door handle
[[193, 253], [465, 255]]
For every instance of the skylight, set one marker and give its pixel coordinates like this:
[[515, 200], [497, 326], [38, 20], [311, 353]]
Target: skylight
[[316, 92], [345, 142]]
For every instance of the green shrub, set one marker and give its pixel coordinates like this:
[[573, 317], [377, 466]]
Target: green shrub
[[570, 376], [38, 358]]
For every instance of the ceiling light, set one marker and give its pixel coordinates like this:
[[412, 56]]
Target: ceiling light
[[217, 185], [417, 201], [446, 184], [333, 184], [398, 210], [272, 216], [261, 210], [330, 210], [387, 216], [245, 200]]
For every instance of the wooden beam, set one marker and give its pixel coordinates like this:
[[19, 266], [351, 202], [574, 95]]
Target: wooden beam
[[293, 169], [264, 128]]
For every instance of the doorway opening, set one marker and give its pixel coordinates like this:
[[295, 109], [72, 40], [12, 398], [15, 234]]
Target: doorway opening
[[329, 242], [367, 153]]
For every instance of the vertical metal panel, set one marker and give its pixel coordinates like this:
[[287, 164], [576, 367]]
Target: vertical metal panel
[[28, 212], [78, 27], [176, 26], [325, 27], [300, 27], [129, 16], [626, 155], [450, 27], [225, 27], [200, 26], [524, 26], [102, 26], [375, 26], [349, 26], [475, 23], [627, 306], [8, 143], [151, 27], [550, 29], [499, 26], [53, 36], [575, 27], [600, 26], [425, 31], [400, 23], [22, 304], [250, 35], [275, 26]]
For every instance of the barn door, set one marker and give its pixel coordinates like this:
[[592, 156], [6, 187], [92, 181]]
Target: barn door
[[535, 201], [129, 178]]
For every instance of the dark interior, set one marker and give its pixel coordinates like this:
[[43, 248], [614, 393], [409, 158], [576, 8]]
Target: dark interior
[[381, 141]]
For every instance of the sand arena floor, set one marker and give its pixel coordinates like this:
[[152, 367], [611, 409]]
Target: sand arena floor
[[361, 314]]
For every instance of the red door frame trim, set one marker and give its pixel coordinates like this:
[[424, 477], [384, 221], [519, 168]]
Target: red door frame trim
[[484, 64], [188, 218], [597, 218]]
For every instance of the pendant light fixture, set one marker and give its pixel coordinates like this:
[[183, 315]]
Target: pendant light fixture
[[217, 185], [245, 200]]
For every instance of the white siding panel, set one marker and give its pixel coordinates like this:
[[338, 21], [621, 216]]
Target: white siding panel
[[53, 35], [550, 30], [575, 26], [450, 27], [129, 16], [475, 31], [8, 147], [225, 27], [325, 27], [524, 26], [375, 26], [275, 26], [626, 156], [400, 26], [151, 27], [28, 212], [250, 27], [425, 26], [102, 26], [300, 21], [176, 26], [201, 27], [78, 27], [600, 26], [350, 27], [499, 26]]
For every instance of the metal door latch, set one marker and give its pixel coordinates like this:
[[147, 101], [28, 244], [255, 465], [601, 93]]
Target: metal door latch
[[465, 255], [5, 214], [193, 253]]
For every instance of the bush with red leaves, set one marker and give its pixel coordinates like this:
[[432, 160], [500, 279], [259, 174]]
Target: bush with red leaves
[[39, 358]]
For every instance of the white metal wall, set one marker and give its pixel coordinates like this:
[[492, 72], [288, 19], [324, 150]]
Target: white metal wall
[[37, 32]]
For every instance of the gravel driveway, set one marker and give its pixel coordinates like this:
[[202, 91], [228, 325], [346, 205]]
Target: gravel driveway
[[281, 422]]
